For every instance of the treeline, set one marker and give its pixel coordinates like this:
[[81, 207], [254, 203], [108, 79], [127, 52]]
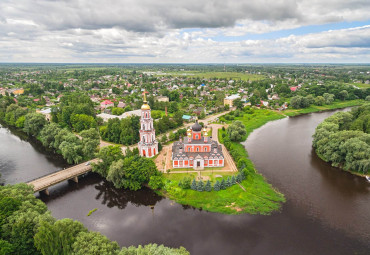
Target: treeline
[[52, 136], [129, 172], [28, 228], [76, 111], [343, 139], [304, 102], [126, 131]]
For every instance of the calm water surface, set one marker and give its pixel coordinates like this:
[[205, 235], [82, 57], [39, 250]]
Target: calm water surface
[[327, 210]]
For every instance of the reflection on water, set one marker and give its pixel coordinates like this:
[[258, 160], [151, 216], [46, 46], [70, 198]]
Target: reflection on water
[[326, 210]]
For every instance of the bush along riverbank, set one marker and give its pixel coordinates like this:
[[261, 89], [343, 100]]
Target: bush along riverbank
[[250, 193], [28, 228], [343, 140]]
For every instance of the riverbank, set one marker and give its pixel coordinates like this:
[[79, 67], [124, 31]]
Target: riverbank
[[315, 108]]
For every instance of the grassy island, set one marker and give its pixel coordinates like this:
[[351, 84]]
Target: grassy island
[[254, 195]]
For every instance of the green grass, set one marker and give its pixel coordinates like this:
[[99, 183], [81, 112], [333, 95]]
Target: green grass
[[91, 211], [259, 198], [315, 108], [220, 75], [360, 85]]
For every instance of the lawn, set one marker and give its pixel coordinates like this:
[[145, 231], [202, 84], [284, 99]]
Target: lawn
[[259, 197]]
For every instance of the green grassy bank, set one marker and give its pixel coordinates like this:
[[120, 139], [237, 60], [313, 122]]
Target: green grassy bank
[[315, 108]]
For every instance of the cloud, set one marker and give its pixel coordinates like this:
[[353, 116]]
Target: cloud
[[178, 31]]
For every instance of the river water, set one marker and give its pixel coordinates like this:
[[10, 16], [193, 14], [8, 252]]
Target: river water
[[327, 210]]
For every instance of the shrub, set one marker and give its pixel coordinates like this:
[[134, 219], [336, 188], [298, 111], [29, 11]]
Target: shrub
[[185, 183], [194, 185], [217, 186], [208, 186], [200, 186]]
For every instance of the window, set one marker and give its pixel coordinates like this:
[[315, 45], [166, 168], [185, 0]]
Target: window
[[197, 149], [205, 148], [144, 139]]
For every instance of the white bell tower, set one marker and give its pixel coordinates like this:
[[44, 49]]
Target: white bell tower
[[148, 145]]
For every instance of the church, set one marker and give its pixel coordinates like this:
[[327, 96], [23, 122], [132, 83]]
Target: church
[[148, 145], [197, 150]]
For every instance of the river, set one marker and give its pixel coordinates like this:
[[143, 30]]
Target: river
[[327, 210]]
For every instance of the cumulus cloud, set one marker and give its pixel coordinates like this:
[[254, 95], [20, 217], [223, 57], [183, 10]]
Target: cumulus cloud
[[177, 31]]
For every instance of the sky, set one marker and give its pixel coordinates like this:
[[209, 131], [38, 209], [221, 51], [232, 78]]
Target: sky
[[186, 31]]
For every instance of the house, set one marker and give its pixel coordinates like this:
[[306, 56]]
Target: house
[[230, 99], [121, 104], [187, 118], [293, 89], [106, 103], [162, 99]]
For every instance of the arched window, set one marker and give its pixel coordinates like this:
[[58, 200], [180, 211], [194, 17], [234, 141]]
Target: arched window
[[197, 149], [205, 148], [144, 139]]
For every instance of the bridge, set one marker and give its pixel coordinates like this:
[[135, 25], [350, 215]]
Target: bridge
[[43, 183]]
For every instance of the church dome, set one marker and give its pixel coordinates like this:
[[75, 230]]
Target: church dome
[[197, 127], [145, 107]]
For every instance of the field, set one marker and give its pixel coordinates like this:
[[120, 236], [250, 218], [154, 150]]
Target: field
[[217, 75]]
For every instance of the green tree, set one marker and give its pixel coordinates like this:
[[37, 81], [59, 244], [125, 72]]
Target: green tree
[[194, 185], [33, 123], [93, 243], [319, 101], [6, 248], [48, 134], [107, 155], [82, 122], [236, 131], [238, 104], [223, 184], [200, 186], [217, 186], [208, 186], [156, 182], [57, 238]]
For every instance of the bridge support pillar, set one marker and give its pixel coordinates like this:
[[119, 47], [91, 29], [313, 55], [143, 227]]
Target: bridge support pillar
[[45, 191], [75, 179]]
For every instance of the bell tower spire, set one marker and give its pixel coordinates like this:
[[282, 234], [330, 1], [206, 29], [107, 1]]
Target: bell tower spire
[[148, 145]]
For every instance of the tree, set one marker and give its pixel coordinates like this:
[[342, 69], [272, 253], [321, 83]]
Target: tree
[[329, 98], [208, 186], [82, 122], [59, 237], [223, 184], [94, 243], [6, 248], [217, 186], [131, 172], [106, 155], [194, 185], [343, 95], [185, 183], [33, 123], [238, 104], [90, 141], [233, 180], [228, 182], [319, 101], [48, 134], [236, 131], [200, 186], [156, 182]]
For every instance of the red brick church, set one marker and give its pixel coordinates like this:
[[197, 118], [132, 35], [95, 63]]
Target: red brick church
[[197, 150]]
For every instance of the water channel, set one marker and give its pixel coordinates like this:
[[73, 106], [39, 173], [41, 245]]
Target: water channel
[[327, 210]]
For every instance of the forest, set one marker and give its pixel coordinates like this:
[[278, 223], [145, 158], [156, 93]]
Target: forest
[[343, 139]]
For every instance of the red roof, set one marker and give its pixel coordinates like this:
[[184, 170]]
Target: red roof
[[293, 89], [106, 102], [36, 100]]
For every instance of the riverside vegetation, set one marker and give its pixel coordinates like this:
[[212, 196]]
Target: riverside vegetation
[[27, 228], [343, 139]]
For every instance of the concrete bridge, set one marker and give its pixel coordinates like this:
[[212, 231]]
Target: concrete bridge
[[43, 183]]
